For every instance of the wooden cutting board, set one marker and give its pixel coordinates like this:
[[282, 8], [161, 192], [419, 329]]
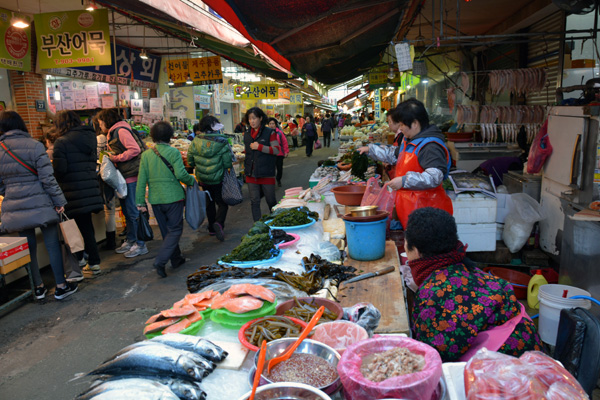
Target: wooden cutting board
[[236, 357]]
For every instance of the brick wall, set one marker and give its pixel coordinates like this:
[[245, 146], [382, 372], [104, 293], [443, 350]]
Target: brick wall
[[27, 87]]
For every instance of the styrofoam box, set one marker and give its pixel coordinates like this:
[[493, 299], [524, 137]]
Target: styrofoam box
[[474, 208], [454, 377], [479, 237], [504, 206], [499, 231]]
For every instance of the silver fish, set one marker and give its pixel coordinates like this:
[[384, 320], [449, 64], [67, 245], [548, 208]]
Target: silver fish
[[183, 389], [134, 393], [153, 360], [137, 383], [207, 364], [196, 344]]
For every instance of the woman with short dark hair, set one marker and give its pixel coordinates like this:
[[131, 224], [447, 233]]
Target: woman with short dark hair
[[456, 302], [283, 144], [165, 193], [211, 154], [309, 130], [32, 199], [262, 148], [75, 162]]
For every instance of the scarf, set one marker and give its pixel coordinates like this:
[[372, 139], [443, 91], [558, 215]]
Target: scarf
[[254, 133], [424, 267]]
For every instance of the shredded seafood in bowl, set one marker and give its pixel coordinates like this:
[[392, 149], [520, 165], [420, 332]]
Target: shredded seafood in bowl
[[398, 361]]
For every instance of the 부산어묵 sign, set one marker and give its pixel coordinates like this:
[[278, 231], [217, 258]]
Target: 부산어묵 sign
[[255, 92], [73, 39], [15, 49]]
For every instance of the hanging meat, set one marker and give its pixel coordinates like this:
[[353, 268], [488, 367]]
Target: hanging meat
[[517, 81]]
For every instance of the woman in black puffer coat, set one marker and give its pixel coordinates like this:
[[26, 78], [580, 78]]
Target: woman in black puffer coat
[[74, 162]]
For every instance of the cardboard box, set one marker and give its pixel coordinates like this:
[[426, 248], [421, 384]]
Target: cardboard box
[[18, 263], [12, 248]]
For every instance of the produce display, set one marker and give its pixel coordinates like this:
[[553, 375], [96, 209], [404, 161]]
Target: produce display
[[252, 248], [360, 164], [280, 236], [378, 367], [304, 368], [290, 216], [324, 170], [271, 328], [492, 375], [304, 311]]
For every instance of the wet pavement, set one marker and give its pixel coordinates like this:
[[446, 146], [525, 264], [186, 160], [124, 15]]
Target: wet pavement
[[45, 344]]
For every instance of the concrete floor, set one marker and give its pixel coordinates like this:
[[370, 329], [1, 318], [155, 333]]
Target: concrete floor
[[45, 344]]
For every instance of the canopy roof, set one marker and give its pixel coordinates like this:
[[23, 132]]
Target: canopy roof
[[330, 40]]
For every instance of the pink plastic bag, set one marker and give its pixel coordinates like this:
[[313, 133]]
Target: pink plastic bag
[[540, 150], [490, 375], [376, 195], [416, 386]]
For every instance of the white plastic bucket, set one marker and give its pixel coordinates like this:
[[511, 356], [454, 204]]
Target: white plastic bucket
[[551, 302]]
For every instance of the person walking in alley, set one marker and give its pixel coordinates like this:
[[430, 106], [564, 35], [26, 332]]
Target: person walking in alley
[[327, 127], [285, 150], [309, 131], [161, 170]]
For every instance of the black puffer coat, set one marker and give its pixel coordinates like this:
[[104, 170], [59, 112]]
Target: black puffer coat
[[29, 200], [74, 163]]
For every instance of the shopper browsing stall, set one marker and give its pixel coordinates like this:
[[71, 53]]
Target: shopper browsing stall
[[211, 154], [74, 165], [32, 199], [422, 162], [262, 148], [457, 302], [126, 148]]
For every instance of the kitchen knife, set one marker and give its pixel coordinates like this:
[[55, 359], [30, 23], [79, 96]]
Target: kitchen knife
[[383, 271]]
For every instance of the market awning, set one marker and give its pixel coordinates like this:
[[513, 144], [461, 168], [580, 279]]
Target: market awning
[[330, 40]]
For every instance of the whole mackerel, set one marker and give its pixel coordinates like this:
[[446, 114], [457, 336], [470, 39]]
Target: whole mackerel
[[183, 389], [153, 360], [196, 344], [207, 364], [139, 384]]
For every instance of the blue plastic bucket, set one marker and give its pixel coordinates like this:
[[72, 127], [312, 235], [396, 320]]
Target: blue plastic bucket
[[366, 240]]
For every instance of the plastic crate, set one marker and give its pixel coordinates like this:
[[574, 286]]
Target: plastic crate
[[474, 208], [479, 237]]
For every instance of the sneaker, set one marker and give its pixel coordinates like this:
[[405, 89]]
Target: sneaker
[[61, 293], [219, 231], [125, 247], [40, 292], [90, 269], [73, 277], [136, 250], [82, 263]]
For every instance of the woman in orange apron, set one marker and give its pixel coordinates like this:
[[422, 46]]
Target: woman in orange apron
[[422, 161]]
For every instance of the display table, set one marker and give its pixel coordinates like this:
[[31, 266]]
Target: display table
[[384, 292]]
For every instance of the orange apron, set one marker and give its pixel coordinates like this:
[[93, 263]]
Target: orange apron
[[408, 200]]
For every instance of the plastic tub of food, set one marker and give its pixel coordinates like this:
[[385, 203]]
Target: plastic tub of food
[[339, 334], [242, 333], [313, 301]]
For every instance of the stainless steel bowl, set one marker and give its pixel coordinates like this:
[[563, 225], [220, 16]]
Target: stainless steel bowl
[[287, 391], [308, 346]]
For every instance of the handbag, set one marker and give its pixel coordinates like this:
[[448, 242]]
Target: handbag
[[195, 206], [318, 144], [144, 230], [71, 234], [231, 191], [70, 262]]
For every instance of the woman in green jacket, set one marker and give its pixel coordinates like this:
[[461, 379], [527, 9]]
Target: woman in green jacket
[[211, 154], [165, 193]]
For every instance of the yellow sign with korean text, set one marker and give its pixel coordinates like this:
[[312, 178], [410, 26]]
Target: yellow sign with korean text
[[296, 98], [256, 92], [202, 71]]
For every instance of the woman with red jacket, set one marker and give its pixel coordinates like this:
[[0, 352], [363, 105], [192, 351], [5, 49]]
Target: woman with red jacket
[[283, 144], [262, 148]]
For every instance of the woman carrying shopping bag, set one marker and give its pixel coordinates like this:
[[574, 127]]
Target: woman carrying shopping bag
[[161, 169], [74, 163], [211, 154], [26, 173]]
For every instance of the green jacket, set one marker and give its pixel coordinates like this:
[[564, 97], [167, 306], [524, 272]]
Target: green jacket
[[163, 188], [211, 155]]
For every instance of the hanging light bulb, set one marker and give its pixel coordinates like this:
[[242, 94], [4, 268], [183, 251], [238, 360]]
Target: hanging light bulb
[[189, 80], [144, 55], [89, 5], [18, 21], [391, 74]]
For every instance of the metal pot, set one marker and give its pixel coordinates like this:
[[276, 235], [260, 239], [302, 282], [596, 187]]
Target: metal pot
[[365, 211]]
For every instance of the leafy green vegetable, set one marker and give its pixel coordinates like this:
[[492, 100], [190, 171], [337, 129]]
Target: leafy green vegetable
[[252, 248], [258, 227], [360, 164], [290, 216], [328, 163]]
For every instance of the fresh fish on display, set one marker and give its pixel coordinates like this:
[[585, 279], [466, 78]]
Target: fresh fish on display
[[132, 383], [206, 364], [134, 393], [198, 345], [183, 389], [153, 360]]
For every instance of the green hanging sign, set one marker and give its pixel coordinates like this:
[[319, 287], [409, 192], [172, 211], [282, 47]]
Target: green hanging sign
[[15, 49], [73, 39]]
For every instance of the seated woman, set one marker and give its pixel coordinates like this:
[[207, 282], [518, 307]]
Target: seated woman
[[457, 302]]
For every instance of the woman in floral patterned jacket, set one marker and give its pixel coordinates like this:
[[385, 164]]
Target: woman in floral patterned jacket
[[456, 301]]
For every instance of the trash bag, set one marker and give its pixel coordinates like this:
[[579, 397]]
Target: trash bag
[[144, 231], [519, 222], [113, 177], [363, 314], [195, 205], [415, 386], [328, 251], [540, 150]]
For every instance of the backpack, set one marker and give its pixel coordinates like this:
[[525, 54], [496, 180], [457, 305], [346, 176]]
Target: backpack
[[138, 138]]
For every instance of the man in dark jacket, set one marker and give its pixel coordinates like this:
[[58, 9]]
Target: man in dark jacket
[[326, 127], [74, 162]]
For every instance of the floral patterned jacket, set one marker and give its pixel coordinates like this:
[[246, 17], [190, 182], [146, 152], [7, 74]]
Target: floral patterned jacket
[[457, 302]]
